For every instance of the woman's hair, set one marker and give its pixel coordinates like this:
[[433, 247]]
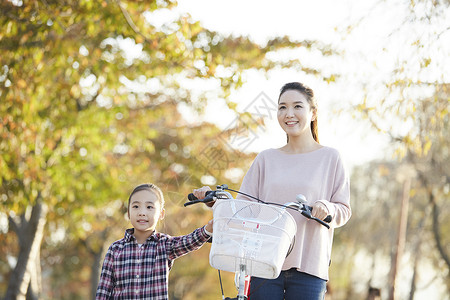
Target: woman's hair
[[309, 95], [148, 187]]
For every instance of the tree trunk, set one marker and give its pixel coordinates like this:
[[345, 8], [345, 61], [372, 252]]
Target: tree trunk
[[25, 278], [434, 216], [417, 253], [97, 254], [401, 237], [35, 287], [95, 272], [436, 231], [413, 287]]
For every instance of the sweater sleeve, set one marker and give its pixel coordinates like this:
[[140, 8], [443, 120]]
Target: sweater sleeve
[[339, 204], [252, 179]]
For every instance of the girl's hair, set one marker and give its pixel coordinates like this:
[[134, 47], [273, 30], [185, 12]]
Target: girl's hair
[[148, 187], [309, 95]]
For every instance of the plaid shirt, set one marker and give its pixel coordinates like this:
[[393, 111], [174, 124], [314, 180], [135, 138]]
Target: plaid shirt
[[133, 272]]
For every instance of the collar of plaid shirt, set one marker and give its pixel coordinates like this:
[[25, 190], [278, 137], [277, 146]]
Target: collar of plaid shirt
[[129, 236]]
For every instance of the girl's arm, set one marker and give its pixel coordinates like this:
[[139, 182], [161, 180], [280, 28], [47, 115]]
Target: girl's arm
[[107, 278], [182, 245]]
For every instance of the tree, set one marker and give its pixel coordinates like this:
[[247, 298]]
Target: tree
[[87, 101], [424, 146], [410, 106]]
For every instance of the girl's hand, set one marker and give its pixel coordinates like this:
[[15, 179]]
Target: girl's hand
[[201, 193], [320, 211], [209, 226]]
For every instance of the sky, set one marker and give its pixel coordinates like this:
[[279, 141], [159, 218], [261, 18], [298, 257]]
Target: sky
[[300, 20], [374, 38], [265, 19]]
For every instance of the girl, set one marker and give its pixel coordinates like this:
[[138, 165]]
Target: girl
[[138, 266]]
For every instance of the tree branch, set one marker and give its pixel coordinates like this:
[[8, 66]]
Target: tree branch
[[13, 225], [436, 232], [434, 212], [59, 23], [130, 21]]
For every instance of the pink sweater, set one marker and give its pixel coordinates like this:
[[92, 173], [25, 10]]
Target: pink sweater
[[279, 177]]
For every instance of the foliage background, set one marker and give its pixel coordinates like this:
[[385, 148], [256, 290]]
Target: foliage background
[[93, 101]]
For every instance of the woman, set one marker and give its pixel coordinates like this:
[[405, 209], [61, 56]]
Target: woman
[[302, 166]]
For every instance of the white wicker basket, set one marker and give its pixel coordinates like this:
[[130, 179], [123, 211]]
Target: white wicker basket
[[252, 234]]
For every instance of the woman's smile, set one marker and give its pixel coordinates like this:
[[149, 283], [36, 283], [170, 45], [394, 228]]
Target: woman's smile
[[291, 123]]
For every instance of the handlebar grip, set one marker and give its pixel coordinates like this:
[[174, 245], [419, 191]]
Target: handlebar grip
[[323, 223], [192, 202], [328, 218], [191, 196]]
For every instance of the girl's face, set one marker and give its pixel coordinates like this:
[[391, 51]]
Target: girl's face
[[145, 211], [295, 113]]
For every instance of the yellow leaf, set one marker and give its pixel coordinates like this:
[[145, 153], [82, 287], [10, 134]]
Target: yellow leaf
[[75, 91], [21, 84], [139, 39], [427, 147]]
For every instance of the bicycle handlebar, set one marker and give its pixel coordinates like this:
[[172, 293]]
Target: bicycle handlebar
[[306, 211], [209, 196], [300, 205]]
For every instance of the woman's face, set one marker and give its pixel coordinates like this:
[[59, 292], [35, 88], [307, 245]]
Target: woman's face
[[295, 113]]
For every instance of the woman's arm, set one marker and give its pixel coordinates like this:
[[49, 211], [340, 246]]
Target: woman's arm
[[339, 204]]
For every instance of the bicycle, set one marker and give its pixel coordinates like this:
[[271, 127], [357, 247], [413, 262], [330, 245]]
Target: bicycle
[[251, 238]]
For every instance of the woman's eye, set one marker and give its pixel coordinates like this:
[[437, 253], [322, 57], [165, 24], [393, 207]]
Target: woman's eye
[[298, 106], [135, 206], [149, 207], [281, 107]]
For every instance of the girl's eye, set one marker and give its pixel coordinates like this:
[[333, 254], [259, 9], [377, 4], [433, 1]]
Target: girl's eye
[[298, 106], [281, 107], [135, 206], [149, 207]]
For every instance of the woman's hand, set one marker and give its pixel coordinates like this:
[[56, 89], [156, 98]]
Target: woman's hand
[[201, 193], [320, 211]]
